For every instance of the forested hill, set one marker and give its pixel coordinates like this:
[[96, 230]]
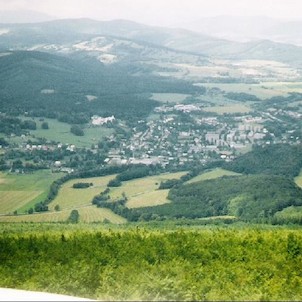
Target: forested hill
[[280, 159], [50, 85], [267, 189], [246, 197]]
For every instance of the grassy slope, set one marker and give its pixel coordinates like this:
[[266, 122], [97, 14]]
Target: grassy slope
[[60, 132], [88, 214], [140, 192], [20, 192], [143, 192], [70, 198]]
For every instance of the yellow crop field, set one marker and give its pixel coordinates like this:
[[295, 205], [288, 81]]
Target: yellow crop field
[[41, 217], [143, 192], [93, 214], [70, 198], [87, 214], [212, 175]]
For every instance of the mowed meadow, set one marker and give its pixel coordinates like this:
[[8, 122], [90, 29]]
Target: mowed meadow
[[142, 192], [19, 192]]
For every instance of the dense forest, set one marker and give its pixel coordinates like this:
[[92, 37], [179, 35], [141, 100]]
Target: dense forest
[[279, 159], [246, 197], [55, 86]]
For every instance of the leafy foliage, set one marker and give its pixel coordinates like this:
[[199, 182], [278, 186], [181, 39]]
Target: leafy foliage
[[247, 197], [74, 217], [218, 264]]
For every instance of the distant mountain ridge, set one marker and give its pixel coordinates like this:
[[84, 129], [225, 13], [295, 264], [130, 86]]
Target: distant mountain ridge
[[22, 36]]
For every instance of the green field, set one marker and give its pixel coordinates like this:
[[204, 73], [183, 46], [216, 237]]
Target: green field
[[143, 192], [169, 97], [21, 191], [233, 108], [140, 193], [70, 198], [212, 175], [60, 132]]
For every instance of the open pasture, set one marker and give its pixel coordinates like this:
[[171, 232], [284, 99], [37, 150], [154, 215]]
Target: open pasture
[[149, 199], [70, 198], [61, 216], [14, 200], [21, 191], [92, 214], [88, 214], [143, 192], [60, 132]]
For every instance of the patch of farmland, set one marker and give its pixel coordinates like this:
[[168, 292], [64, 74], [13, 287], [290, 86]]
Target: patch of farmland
[[70, 198], [13, 200], [22, 191], [40, 217], [212, 175], [169, 97], [149, 199], [143, 192], [234, 108], [93, 214], [87, 214], [262, 91], [60, 132]]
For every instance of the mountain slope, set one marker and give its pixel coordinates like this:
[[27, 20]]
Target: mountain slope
[[73, 31], [50, 84]]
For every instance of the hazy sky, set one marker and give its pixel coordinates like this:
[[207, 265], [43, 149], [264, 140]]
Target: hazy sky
[[158, 12]]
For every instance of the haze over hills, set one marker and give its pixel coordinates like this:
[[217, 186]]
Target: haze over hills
[[248, 28], [64, 32]]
